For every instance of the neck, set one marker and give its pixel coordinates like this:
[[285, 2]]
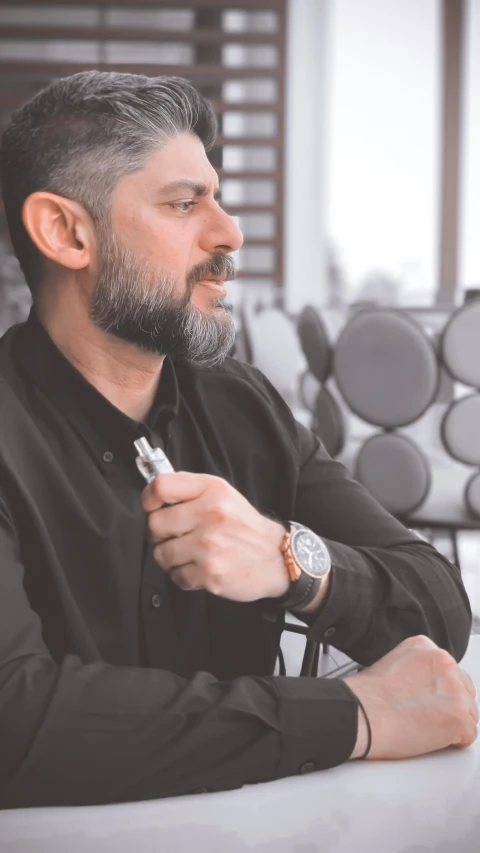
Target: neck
[[125, 375]]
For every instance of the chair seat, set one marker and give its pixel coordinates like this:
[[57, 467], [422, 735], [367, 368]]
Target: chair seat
[[472, 495], [395, 471], [444, 506], [460, 429]]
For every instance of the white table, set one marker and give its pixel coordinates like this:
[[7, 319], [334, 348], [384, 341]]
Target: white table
[[413, 806]]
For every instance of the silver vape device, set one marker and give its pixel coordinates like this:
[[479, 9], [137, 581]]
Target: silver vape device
[[151, 460]]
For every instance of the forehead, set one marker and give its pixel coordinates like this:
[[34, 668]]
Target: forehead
[[182, 157]]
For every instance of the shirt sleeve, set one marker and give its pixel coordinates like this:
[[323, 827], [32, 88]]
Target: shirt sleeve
[[387, 583], [77, 734]]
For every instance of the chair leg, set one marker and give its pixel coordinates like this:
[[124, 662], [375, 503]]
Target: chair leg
[[456, 555], [308, 663]]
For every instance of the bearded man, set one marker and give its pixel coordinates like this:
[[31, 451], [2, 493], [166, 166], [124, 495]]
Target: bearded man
[[140, 625]]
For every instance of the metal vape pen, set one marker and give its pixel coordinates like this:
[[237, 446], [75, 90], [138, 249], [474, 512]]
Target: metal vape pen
[[151, 460]]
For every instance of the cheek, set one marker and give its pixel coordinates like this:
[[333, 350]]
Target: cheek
[[156, 240]]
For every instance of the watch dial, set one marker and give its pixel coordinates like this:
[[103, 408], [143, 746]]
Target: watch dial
[[311, 553]]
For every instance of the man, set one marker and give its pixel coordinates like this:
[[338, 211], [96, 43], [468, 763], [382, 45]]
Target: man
[[139, 625]]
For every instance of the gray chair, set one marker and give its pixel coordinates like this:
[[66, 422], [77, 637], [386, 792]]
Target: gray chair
[[472, 494], [388, 371], [395, 471], [460, 344], [276, 351], [329, 422], [460, 429], [315, 342], [386, 368], [308, 389]]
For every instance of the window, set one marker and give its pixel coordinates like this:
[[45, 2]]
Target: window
[[470, 193], [384, 147]]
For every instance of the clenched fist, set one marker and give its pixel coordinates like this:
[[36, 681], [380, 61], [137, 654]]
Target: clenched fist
[[210, 537], [417, 699]]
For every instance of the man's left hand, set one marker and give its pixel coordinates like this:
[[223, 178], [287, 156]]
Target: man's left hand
[[212, 538]]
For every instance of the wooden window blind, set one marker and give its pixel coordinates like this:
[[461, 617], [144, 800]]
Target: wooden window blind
[[234, 54]]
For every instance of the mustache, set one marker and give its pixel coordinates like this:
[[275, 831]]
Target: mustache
[[217, 265]]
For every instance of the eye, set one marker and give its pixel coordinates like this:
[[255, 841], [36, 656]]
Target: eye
[[184, 206]]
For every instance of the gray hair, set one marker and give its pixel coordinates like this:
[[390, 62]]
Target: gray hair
[[80, 135]]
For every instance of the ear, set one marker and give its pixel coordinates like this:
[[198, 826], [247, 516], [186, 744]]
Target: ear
[[60, 228]]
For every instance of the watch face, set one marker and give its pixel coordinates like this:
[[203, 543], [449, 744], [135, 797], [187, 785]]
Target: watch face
[[310, 552]]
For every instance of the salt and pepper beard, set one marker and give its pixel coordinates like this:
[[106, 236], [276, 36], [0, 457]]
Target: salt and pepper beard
[[140, 304]]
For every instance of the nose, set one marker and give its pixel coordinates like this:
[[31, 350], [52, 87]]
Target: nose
[[223, 233]]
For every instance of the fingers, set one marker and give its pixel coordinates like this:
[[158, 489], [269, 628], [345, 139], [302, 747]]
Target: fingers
[[467, 682], [169, 522], [187, 577], [173, 488], [177, 552], [469, 735], [469, 716], [204, 498], [418, 641], [470, 694], [189, 563]]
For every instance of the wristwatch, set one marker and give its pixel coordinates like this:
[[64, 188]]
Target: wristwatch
[[308, 562]]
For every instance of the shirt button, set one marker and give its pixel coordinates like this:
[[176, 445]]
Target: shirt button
[[107, 456], [307, 767], [156, 600], [330, 632]]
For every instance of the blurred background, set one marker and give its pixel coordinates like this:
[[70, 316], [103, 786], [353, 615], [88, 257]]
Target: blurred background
[[348, 149]]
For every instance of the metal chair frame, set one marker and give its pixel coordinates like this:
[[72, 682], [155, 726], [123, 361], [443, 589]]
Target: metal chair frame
[[311, 655]]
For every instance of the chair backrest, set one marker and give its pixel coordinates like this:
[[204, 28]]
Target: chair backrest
[[386, 368], [243, 349], [329, 422], [460, 344], [276, 351], [308, 389], [315, 342]]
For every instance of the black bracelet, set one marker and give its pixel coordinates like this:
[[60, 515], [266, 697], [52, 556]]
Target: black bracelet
[[369, 729], [290, 601]]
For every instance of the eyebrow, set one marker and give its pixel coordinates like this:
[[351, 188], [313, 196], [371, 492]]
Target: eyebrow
[[193, 187]]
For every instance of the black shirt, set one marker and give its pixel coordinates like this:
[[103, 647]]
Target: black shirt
[[116, 685]]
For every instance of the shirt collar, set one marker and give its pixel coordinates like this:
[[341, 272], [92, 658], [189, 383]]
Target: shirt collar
[[104, 427]]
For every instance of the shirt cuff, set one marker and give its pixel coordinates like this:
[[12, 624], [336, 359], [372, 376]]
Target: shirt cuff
[[319, 724]]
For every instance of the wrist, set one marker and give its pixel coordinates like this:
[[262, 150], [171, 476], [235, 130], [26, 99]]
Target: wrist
[[279, 579], [320, 596]]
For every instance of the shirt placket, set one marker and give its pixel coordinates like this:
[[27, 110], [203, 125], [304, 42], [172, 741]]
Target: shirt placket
[[159, 630]]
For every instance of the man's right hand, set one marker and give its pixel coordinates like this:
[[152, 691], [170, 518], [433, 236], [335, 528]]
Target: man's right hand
[[417, 699]]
